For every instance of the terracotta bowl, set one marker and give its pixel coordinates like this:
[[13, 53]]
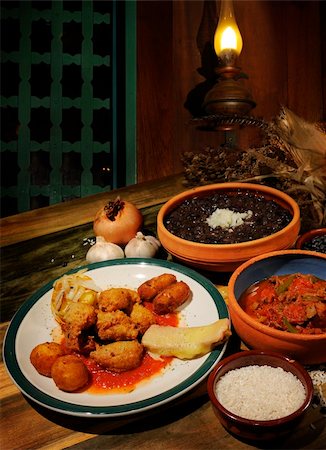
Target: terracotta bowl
[[305, 348], [226, 257], [307, 240], [254, 429]]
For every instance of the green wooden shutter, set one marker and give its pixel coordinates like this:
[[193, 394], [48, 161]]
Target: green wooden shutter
[[68, 100]]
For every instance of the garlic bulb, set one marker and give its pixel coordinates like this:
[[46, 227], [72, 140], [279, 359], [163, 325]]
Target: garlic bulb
[[103, 251], [142, 246]]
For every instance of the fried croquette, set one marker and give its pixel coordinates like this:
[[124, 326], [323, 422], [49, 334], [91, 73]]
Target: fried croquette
[[69, 373], [119, 356], [81, 315], [117, 298], [115, 326], [171, 298], [44, 355], [148, 290], [142, 317], [78, 317]]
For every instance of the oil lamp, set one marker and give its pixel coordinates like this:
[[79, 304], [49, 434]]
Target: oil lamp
[[228, 95]]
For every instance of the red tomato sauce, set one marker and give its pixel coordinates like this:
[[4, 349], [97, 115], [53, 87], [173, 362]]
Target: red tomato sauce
[[171, 319], [103, 380]]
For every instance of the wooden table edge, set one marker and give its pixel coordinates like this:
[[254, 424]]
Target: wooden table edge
[[50, 219]]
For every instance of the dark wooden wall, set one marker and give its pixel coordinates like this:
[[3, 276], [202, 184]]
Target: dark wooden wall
[[283, 54]]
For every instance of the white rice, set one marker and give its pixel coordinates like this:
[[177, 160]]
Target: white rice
[[260, 392], [226, 218]]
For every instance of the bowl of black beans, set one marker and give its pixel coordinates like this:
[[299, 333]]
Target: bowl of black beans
[[218, 227], [313, 240]]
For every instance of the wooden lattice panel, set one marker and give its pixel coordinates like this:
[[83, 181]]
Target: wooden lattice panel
[[63, 101]]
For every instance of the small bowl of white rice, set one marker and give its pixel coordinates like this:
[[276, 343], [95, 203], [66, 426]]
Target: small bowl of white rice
[[259, 395]]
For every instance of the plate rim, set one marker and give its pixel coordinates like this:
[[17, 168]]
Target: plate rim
[[27, 388]]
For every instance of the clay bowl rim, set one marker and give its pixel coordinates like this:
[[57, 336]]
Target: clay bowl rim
[[265, 329], [308, 236], [264, 424], [190, 193]]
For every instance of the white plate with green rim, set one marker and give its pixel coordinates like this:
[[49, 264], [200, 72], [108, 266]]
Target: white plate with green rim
[[34, 322]]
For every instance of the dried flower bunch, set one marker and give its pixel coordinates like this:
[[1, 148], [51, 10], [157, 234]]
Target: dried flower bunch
[[292, 158]]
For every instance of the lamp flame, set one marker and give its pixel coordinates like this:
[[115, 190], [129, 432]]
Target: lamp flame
[[229, 39], [227, 35]]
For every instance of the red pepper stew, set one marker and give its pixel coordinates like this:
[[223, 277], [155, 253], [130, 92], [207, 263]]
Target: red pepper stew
[[295, 303]]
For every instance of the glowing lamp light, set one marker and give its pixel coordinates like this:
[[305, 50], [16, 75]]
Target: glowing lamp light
[[227, 38]]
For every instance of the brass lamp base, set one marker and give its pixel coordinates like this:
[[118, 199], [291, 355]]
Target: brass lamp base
[[228, 95]]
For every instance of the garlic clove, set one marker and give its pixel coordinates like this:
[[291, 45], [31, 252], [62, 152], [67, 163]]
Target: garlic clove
[[142, 246], [104, 251], [155, 242]]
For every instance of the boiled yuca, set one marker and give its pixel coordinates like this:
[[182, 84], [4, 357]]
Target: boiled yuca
[[186, 342]]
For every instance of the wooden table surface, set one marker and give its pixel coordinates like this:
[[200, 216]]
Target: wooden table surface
[[40, 246]]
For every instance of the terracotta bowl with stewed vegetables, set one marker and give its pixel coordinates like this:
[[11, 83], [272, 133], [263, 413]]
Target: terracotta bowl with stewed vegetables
[[277, 303], [217, 227]]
